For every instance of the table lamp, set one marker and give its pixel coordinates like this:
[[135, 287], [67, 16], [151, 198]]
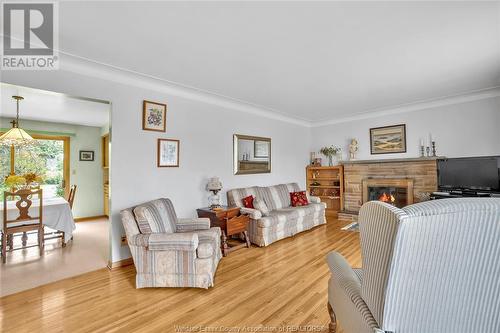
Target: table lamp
[[214, 185]]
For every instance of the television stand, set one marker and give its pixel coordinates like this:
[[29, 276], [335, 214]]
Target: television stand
[[447, 194]]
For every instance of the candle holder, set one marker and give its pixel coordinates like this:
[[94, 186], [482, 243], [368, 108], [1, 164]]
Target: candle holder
[[434, 148], [422, 151], [428, 151]]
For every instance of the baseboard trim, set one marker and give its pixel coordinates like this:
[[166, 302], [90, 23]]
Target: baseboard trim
[[120, 263], [89, 218]]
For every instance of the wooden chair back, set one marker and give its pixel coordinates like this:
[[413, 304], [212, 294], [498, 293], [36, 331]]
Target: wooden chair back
[[71, 196], [34, 188], [24, 220]]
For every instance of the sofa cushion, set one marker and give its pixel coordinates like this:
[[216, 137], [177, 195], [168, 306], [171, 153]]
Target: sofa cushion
[[288, 214], [298, 198], [261, 206], [235, 196], [157, 216], [277, 196], [248, 202]]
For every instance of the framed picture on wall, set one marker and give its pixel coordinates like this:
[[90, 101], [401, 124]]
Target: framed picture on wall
[[86, 155], [168, 153], [154, 116], [388, 139]]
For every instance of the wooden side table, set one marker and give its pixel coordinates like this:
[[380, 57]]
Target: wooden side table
[[231, 222]]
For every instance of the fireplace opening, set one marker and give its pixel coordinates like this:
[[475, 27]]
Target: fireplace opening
[[396, 196], [395, 191]]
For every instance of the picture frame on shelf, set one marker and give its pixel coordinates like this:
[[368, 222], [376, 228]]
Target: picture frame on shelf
[[168, 153], [388, 139], [154, 116], [86, 155]]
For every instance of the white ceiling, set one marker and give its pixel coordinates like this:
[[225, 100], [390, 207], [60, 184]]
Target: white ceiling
[[309, 60], [52, 107]]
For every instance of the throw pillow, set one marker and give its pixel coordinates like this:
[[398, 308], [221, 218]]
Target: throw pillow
[[299, 198], [248, 202], [260, 205]]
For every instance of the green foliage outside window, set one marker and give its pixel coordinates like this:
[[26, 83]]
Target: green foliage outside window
[[46, 158]]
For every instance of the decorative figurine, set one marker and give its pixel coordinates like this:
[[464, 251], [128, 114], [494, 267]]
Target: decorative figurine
[[353, 149]]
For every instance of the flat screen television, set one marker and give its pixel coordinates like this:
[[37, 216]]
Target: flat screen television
[[469, 173]]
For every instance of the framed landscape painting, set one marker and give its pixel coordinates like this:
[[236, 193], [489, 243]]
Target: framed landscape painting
[[168, 153], [388, 139], [154, 116]]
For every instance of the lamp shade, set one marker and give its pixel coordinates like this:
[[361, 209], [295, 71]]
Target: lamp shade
[[15, 136], [214, 184]]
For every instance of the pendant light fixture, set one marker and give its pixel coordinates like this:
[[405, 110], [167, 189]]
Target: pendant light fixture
[[16, 136]]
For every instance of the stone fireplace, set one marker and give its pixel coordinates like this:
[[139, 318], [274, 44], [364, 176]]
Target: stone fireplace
[[397, 192], [408, 180]]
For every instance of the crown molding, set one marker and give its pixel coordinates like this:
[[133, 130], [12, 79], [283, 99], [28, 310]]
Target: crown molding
[[88, 67], [470, 96], [120, 75]]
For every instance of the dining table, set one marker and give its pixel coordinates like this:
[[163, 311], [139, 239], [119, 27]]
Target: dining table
[[56, 212]]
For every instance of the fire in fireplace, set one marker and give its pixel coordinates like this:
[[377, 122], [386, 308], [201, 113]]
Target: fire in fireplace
[[395, 196], [389, 198], [395, 191]]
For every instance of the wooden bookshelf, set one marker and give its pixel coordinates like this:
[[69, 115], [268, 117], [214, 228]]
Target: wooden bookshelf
[[327, 183]]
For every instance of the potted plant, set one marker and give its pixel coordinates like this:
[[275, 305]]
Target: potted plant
[[330, 152]]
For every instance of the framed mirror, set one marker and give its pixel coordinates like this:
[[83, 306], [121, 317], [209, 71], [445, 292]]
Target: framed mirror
[[251, 154]]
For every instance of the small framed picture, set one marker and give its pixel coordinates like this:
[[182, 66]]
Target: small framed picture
[[168, 153], [154, 116], [86, 155], [388, 139]]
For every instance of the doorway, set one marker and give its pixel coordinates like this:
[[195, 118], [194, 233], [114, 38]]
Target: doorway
[[71, 149]]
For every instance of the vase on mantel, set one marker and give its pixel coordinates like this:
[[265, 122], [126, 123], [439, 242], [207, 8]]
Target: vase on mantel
[[330, 160]]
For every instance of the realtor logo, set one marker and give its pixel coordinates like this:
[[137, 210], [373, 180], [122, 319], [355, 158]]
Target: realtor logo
[[30, 38]]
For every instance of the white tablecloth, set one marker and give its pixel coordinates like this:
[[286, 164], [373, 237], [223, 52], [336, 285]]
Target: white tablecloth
[[56, 214]]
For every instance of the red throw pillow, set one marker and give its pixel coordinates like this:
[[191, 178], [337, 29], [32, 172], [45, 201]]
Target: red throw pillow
[[299, 198], [248, 202]]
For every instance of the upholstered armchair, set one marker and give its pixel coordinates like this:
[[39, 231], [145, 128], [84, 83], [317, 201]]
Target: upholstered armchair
[[430, 267], [169, 251]]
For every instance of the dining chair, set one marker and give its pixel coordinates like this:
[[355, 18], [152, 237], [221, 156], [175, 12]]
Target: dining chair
[[71, 196], [70, 199], [24, 222]]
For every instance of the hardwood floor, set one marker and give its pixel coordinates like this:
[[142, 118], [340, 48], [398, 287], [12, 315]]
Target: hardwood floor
[[284, 284]]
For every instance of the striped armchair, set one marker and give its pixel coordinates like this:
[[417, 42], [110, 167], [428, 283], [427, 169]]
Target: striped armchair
[[429, 267], [168, 251]]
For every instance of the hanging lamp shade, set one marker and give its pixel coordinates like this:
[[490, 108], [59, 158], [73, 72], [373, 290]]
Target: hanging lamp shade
[[16, 136]]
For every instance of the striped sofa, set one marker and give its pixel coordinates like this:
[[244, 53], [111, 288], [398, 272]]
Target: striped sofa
[[282, 220], [431, 267], [169, 251]]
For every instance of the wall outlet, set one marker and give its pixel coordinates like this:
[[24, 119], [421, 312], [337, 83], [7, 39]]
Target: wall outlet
[[124, 241]]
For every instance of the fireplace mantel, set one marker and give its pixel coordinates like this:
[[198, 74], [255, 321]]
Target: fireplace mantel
[[393, 160]]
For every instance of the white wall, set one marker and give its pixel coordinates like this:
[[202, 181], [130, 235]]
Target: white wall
[[205, 132], [86, 175], [467, 129]]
